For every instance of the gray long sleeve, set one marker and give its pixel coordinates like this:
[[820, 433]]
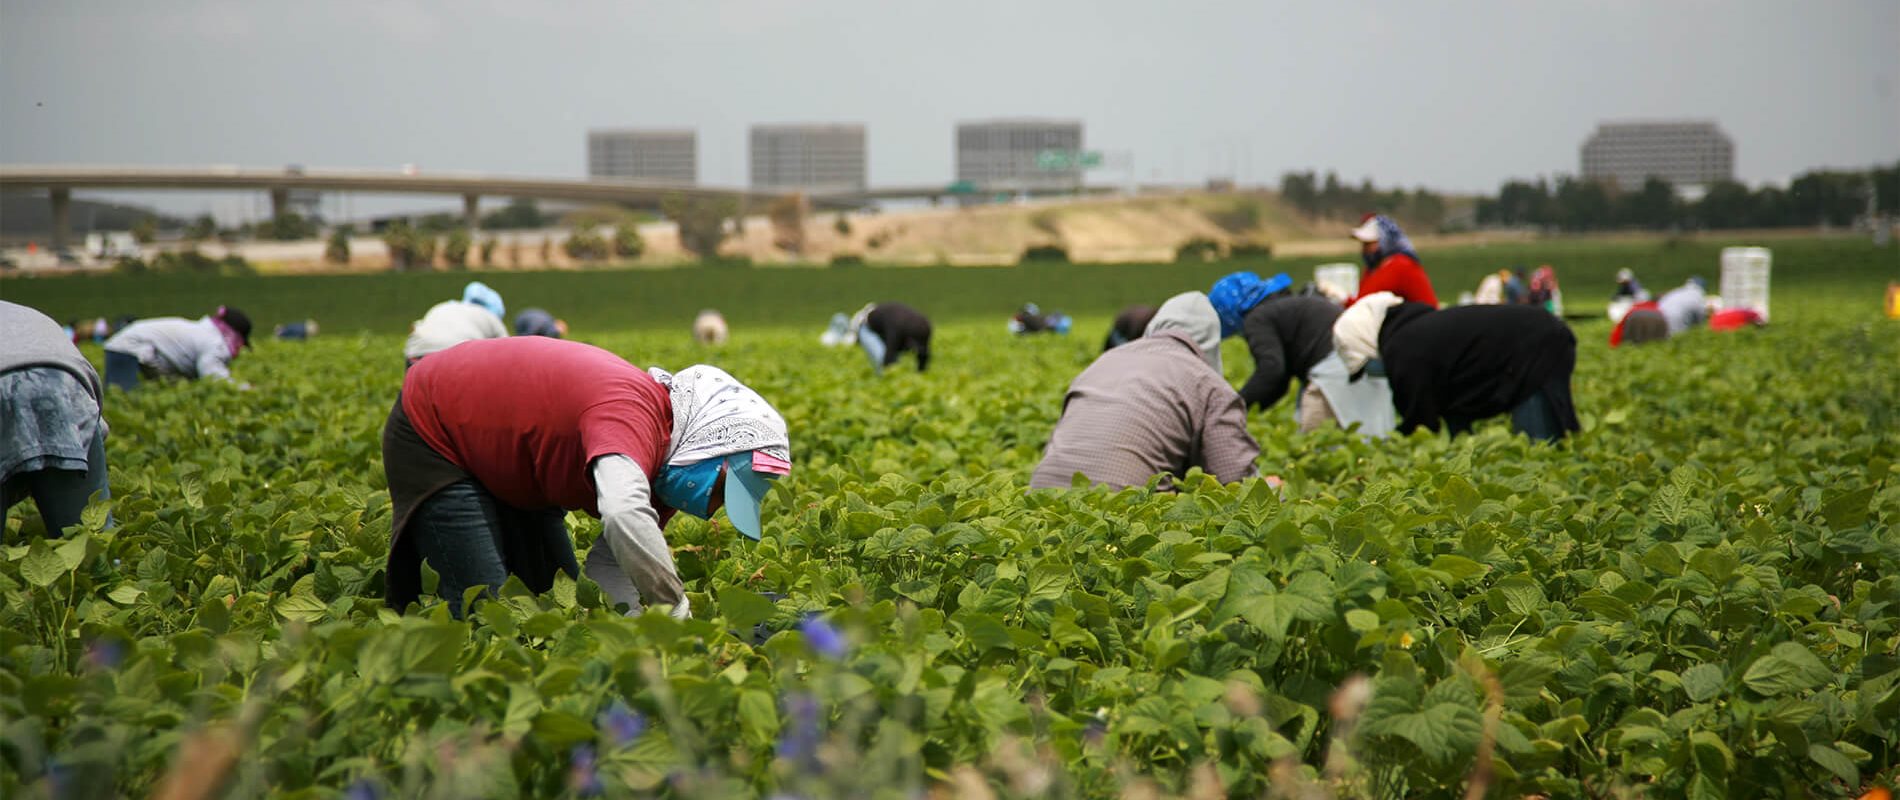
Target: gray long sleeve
[[634, 562]]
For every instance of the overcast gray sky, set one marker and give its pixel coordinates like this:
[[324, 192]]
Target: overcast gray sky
[[1452, 95]]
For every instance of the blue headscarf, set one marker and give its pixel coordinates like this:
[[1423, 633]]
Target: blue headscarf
[[1237, 293], [478, 293], [1392, 239]]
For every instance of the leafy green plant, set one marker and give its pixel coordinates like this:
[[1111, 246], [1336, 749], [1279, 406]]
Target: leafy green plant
[[585, 244], [1691, 598], [455, 249]]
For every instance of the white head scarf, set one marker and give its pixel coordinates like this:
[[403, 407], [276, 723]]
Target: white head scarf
[[715, 415], [1356, 333], [858, 319], [1193, 314]]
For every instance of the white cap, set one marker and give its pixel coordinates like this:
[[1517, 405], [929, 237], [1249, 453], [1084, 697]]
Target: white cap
[[1368, 232], [1624, 274]]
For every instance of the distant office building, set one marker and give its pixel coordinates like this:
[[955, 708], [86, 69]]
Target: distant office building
[[660, 156], [814, 159], [1687, 154], [1005, 154]]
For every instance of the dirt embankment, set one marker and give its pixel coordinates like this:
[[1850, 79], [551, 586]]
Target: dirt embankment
[[1147, 228]]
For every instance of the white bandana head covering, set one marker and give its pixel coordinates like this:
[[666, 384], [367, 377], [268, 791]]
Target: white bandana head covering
[[715, 415], [1193, 314], [858, 319], [1356, 333]]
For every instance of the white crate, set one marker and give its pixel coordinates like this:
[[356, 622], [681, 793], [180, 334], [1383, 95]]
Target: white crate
[[1343, 275], [1745, 272]]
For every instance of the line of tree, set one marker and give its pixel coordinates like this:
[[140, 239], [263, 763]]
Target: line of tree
[[1329, 197], [1819, 197]]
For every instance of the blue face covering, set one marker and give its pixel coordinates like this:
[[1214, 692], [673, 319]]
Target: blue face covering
[[689, 487]]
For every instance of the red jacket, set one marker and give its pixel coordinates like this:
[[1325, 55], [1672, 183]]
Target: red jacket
[[1399, 274]]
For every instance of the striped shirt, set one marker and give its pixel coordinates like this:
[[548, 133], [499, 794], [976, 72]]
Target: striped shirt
[[1149, 407]]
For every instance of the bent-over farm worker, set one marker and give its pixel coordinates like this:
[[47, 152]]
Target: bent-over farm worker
[[1128, 326], [481, 473], [177, 347], [1391, 263], [52, 437], [1291, 336], [709, 328], [889, 330], [478, 315], [1157, 405], [538, 322], [1685, 306], [1461, 365]]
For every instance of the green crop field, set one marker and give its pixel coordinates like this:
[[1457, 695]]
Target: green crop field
[[1697, 596]]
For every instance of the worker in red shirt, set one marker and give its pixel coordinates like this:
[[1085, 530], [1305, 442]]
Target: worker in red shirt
[[482, 472], [1391, 263]]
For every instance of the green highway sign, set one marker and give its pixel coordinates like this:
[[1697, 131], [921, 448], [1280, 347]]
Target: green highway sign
[[1062, 160]]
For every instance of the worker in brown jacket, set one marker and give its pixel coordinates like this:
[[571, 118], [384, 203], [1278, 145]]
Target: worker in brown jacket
[[1155, 406]]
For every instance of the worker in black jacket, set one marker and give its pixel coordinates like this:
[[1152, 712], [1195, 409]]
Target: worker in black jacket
[[1291, 336], [888, 330], [1128, 326]]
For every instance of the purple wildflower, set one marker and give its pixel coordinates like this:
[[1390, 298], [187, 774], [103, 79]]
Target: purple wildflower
[[823, 639], [582, 777], [363, 789], [104, 654], [798, 741], [623, 725]]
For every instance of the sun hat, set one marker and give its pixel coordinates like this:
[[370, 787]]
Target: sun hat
[[749, 477]]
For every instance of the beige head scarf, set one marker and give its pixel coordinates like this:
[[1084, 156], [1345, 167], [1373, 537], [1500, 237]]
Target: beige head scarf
[[1193, 314], [1356, 333]]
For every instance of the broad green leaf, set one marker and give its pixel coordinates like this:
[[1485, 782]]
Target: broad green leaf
[[42, 565], [1362, 620], [744, 608], [560, 729], [1788, 667], [1702, 681], [1848, 509], [1836, 762], [758, 713], [1460, 495]]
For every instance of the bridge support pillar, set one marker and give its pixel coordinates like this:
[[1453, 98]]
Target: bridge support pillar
[[279, 202], [472, 212], [62, 218]]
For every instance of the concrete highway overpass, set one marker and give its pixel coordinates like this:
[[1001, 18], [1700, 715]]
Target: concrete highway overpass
[[60, 181]]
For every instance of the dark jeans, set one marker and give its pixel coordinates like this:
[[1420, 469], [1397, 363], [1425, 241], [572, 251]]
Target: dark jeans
[[1534, 418], [61, 494], [470, 539], [122, 370]]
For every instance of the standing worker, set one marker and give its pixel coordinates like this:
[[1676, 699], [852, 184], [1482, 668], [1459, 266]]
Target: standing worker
[[1292, 337], [1461, 365], [52, 436], [1391, 263], [482, 472], [177, 347], [1154, 406], [888, 330], [478, 315]]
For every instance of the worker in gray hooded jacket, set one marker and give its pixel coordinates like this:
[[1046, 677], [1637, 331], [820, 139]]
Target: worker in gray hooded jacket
[[52, 437], [1155, 406]]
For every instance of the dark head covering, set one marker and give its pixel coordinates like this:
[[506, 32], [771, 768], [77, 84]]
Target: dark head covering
[[238, 320]]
